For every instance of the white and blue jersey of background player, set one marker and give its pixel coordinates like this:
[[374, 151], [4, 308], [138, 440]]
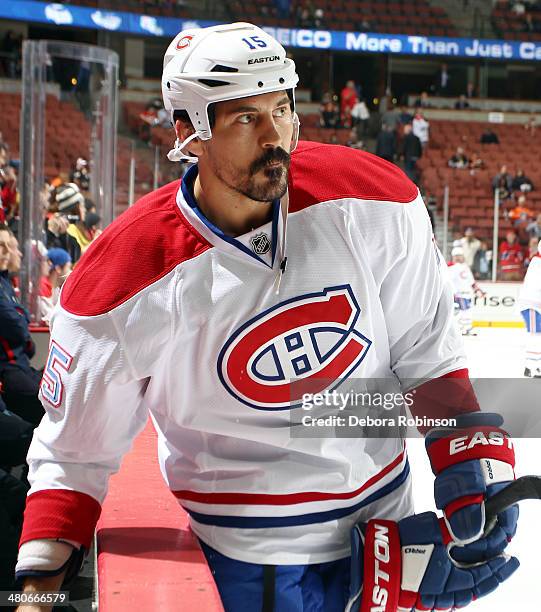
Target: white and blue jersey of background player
[[529, 303]]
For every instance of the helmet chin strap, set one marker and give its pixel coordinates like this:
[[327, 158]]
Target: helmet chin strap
[[296, 130], [177, 154]]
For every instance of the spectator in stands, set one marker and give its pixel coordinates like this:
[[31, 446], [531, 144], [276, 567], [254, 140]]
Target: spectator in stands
[[442, 82], [470, 90], [386, 143], [163, 118], [421, 127], [318, 18], [56, 270], [8, 186], [20, 381], [354, 141], [462, 103], [529, 24], [82, 225], [85, 230], [405, 116], [534, 228], [364, 25], [283, 7], [503, 183], [9, 47], [411, 151], [482, 262], [348, 99], [533, 250], [57, 236], [521, 182], [422, 101], [511, 258], [459, 160], [530, 126], [80, 175], [519, 8], [328, 111], [149, 118], [489, 136], [305, 15], [90, 206], [391, 117], [476, 163], [470, 245], [361, 115], [520, 212]]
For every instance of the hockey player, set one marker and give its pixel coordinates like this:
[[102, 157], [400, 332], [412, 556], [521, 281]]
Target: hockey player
[[223, 311], [465, 288], [529, 303]]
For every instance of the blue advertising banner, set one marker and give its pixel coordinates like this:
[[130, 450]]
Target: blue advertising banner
[[367, 42]]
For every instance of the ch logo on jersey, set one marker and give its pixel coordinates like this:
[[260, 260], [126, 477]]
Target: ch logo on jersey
[[304, 345], [260, 243]]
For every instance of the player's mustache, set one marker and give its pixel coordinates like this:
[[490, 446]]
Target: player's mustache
[[271, 156]]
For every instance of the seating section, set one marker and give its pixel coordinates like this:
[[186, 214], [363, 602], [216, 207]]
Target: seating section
[[67, 137], [67, 133], [512, 25], [394, 17], [388, 16], [164, 8], [471, 200]]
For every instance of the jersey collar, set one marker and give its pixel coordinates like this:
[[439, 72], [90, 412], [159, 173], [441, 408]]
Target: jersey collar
[[213, 234]]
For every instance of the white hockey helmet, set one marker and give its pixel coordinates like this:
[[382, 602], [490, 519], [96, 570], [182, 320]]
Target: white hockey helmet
[[223, 62], [457, 251]]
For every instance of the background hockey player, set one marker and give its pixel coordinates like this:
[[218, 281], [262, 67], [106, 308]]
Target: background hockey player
[[206, 311], [529, 303], [465, 289]]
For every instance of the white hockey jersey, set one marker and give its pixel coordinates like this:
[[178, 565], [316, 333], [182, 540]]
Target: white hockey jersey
[[530, 292], [461, 279], [166, 315]]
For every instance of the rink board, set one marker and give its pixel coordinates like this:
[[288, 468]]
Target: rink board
[[499, 307]]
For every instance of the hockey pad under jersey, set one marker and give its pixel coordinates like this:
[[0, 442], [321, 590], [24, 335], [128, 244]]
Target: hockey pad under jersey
[[165, 315]]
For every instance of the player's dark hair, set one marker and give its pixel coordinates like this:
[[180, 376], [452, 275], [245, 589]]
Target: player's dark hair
[[182, 115]]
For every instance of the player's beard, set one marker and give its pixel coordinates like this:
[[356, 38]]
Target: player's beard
[[260, 182]]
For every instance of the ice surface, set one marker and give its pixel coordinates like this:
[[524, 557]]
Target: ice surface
[[498, 352]]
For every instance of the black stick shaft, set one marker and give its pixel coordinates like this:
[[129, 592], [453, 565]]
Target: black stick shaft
[[526, 487]]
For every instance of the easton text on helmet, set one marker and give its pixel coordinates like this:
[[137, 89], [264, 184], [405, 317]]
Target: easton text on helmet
[[262, 60]]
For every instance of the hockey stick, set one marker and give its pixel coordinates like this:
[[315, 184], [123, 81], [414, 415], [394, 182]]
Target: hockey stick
[[526, 487]]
